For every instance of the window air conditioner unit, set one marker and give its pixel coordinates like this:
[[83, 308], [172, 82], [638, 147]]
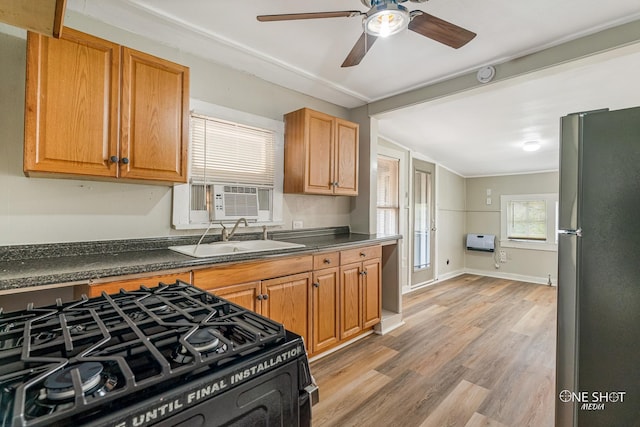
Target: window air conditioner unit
[[231, 202]]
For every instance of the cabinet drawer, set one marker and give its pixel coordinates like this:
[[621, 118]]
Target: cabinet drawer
[[134, 284], [360, 254], [326, 260]]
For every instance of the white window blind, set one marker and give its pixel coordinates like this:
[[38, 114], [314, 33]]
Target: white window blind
[[228, 152], [387, 201], [527, 219]]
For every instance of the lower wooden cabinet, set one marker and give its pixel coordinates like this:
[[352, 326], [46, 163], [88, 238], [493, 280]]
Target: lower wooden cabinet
[[288, 300], [371, 293], [284, 299], [351, 300], [360, 292], [325, 297], [243, 294]]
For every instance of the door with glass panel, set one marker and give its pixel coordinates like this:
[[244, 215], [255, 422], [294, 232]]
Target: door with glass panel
[[423, 224]]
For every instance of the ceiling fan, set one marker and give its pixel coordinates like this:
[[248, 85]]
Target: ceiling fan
[[385, 18]]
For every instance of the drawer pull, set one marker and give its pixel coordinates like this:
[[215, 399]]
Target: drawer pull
[[362, 254], [327, 261]]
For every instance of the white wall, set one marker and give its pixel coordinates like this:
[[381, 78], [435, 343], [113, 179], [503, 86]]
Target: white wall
[[451, 222], [534, 265], [42, 210]]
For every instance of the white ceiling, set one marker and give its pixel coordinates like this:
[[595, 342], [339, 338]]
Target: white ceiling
[[474, 133]]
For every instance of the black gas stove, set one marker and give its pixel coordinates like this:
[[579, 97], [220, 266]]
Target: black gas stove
[[172, 355]]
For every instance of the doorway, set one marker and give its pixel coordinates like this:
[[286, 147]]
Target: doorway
[[423, 224]]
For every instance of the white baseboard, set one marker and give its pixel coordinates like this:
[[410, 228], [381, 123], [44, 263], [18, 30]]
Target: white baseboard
[[512, 276], [496, 274]]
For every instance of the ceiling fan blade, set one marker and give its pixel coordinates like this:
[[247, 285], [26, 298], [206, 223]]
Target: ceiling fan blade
[[312, 15], [359, 50], [439, 30]]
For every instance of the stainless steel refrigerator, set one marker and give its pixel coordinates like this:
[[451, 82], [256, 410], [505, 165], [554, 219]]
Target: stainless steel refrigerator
[[598, 341]]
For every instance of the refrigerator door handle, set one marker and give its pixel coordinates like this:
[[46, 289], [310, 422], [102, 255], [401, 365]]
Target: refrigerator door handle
[[577, 232]]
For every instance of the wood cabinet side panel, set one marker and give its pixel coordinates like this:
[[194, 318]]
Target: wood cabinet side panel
[[231, 274], [294, 151], [71, 108], [154, 125]]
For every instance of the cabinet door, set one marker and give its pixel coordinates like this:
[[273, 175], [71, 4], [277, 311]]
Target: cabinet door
[[287, 300], [134, 284], [319, 172], [154, 125], [346, 158], [325, 308], [371, 289], [71, 111], [244, 294], [350, 300]]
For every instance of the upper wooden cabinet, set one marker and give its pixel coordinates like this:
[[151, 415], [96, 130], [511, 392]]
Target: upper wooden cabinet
[[321, 154], [97, 109], [42, 16]]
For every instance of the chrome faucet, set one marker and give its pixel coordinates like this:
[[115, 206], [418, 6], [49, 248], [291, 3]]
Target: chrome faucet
[[226, 235]]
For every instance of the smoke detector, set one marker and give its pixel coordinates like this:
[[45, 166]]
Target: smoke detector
[[486, 74]]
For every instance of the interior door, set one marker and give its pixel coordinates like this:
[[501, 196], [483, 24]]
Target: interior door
[[423, 224]]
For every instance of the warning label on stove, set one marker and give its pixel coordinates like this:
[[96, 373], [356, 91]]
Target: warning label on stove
[[172, 405]]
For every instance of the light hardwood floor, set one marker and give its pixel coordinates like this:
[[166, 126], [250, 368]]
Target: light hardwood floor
[[474, 351]]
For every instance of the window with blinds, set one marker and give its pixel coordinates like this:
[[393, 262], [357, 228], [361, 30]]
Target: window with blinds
[[529, 221], [388, 205], [228, 152], [235, 169]]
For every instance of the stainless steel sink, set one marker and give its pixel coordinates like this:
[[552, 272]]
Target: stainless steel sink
[[230, 248]]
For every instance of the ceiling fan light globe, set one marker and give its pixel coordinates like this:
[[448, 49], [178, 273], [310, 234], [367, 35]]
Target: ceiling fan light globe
[[386, 19]]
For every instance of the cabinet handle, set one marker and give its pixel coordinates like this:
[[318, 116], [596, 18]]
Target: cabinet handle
[[316, 285], [336, 184], [327, 261], [260, 297], [265, 296], [114, 159], [125, 161], [363, 273], [362, 254]]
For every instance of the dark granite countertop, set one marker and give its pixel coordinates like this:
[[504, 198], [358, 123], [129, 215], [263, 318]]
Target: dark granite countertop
[[26, 266]]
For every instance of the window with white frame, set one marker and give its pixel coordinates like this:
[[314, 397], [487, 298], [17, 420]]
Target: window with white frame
[[529, 221], [388, 205], [235, 169]]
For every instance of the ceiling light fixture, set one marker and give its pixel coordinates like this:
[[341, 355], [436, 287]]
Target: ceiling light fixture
[[531, 146], [386, 19]]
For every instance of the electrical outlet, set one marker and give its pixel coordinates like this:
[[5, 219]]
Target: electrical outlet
[[503, 256], [297, 224]]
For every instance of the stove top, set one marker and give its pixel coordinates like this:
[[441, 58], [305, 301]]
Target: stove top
[[89, 356]]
